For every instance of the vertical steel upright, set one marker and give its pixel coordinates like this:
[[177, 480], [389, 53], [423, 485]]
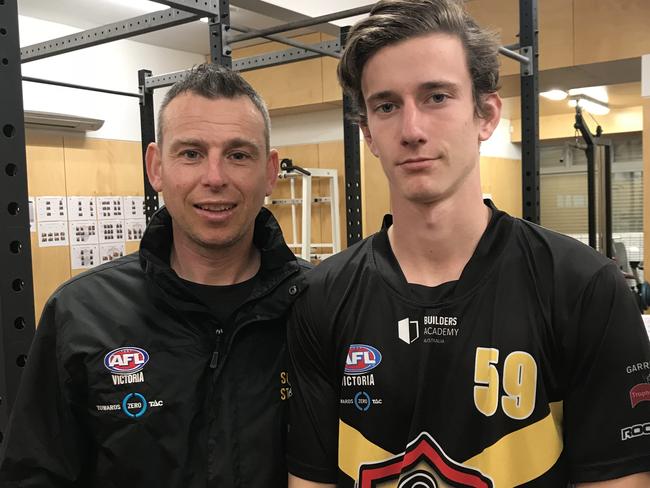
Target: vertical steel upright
[[220, 51], [528, 40], [148, 135], [352, 148], [16, 290]]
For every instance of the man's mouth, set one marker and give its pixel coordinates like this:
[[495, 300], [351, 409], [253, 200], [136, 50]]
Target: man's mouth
[[224, 207]]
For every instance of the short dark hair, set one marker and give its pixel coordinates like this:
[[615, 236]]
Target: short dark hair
[[392, 21], [213, 82]]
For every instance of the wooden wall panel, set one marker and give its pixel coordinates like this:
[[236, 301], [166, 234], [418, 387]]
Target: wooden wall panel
[[331, 156], [103, 167], [646, 187], [375, 196], [501, 178], [289, 85], [45, 164], [46, 177], [610, 29]]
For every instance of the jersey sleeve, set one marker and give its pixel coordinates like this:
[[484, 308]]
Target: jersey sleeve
[[44, 445], [607, 356], [313, 406]]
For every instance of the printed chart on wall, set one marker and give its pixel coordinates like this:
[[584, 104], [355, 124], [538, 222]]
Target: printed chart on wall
[[95, 228]]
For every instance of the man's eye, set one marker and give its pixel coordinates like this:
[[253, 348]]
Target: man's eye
[[190, 154], [439, 97], [239, 156], [386, 108]]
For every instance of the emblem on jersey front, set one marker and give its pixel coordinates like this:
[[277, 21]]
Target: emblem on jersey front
[[361, 358], [126, 364], [423, 465]]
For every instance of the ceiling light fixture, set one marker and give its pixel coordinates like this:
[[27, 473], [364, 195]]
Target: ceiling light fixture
[[590, 104], [555, 94]]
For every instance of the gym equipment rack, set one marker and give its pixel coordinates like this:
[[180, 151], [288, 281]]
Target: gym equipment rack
[[16, 296]]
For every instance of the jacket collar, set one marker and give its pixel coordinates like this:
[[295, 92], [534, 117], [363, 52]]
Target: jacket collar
[[277, 260]]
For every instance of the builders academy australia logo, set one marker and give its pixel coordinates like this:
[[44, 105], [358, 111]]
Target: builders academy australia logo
[[435, 329]]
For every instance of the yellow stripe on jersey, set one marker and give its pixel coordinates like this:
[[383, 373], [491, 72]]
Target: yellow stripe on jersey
[[516, 458], [355, 450]]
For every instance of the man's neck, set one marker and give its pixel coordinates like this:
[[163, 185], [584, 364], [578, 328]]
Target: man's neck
[[432, 243], [224, 266]]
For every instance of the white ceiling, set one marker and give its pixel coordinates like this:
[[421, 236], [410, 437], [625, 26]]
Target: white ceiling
[[192, 37]]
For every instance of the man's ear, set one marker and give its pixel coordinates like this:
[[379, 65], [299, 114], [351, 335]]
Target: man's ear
[[153, 162], [272, 170], [491, 104], [368, 138]]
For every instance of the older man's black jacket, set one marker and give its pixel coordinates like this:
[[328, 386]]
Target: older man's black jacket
[[131, 380]]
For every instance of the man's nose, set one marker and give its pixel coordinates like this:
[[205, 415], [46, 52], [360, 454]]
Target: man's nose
[[413, 132], [215, 174]]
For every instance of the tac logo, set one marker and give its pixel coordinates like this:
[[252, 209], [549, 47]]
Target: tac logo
[[361, 359], [126, 360], [408, 330], [423, 465]]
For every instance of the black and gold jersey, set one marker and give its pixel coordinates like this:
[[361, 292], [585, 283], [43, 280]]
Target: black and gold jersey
[[531, 370]]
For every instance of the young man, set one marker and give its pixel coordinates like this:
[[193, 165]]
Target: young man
[[167, 367], [458, 347]]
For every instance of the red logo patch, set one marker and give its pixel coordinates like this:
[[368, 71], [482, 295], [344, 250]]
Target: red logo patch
[[423, 464], [640, 393]]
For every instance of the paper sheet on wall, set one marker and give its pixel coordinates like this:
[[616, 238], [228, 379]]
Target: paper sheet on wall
[[135, 229], [32, 214], [108, 252], [82, 208], [84, 232], [111, 231], [110, 207], [52, 234], [84, 257], [51, 209], [134, 208]]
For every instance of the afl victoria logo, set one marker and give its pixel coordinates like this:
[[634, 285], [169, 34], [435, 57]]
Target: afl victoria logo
[[361, 359], [126, 360]]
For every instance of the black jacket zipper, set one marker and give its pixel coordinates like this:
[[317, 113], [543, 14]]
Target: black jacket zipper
[[217, 349]]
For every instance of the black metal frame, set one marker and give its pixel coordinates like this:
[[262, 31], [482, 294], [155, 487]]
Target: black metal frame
[[16, 339], [529, 47], [16, 290], [593, 142]]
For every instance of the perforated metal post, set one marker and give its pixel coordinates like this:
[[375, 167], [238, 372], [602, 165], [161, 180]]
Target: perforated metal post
[[16, 290], [529, 110], [148, 135], [220, 51], [352, 148]]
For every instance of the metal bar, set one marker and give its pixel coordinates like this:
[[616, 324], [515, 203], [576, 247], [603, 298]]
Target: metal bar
[[513, 55], [291, 42], [352, 149], [529, 111], [148, 135], [306, 217], [247, 64], [609, 243], [204, 8], [299, 24], [16, 288], [582, 127], [512, 47], [220, 50], [80, 87], [107, 33]]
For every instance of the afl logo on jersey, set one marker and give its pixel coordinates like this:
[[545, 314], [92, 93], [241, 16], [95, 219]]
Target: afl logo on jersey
[[126, 360], [361, 359]]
